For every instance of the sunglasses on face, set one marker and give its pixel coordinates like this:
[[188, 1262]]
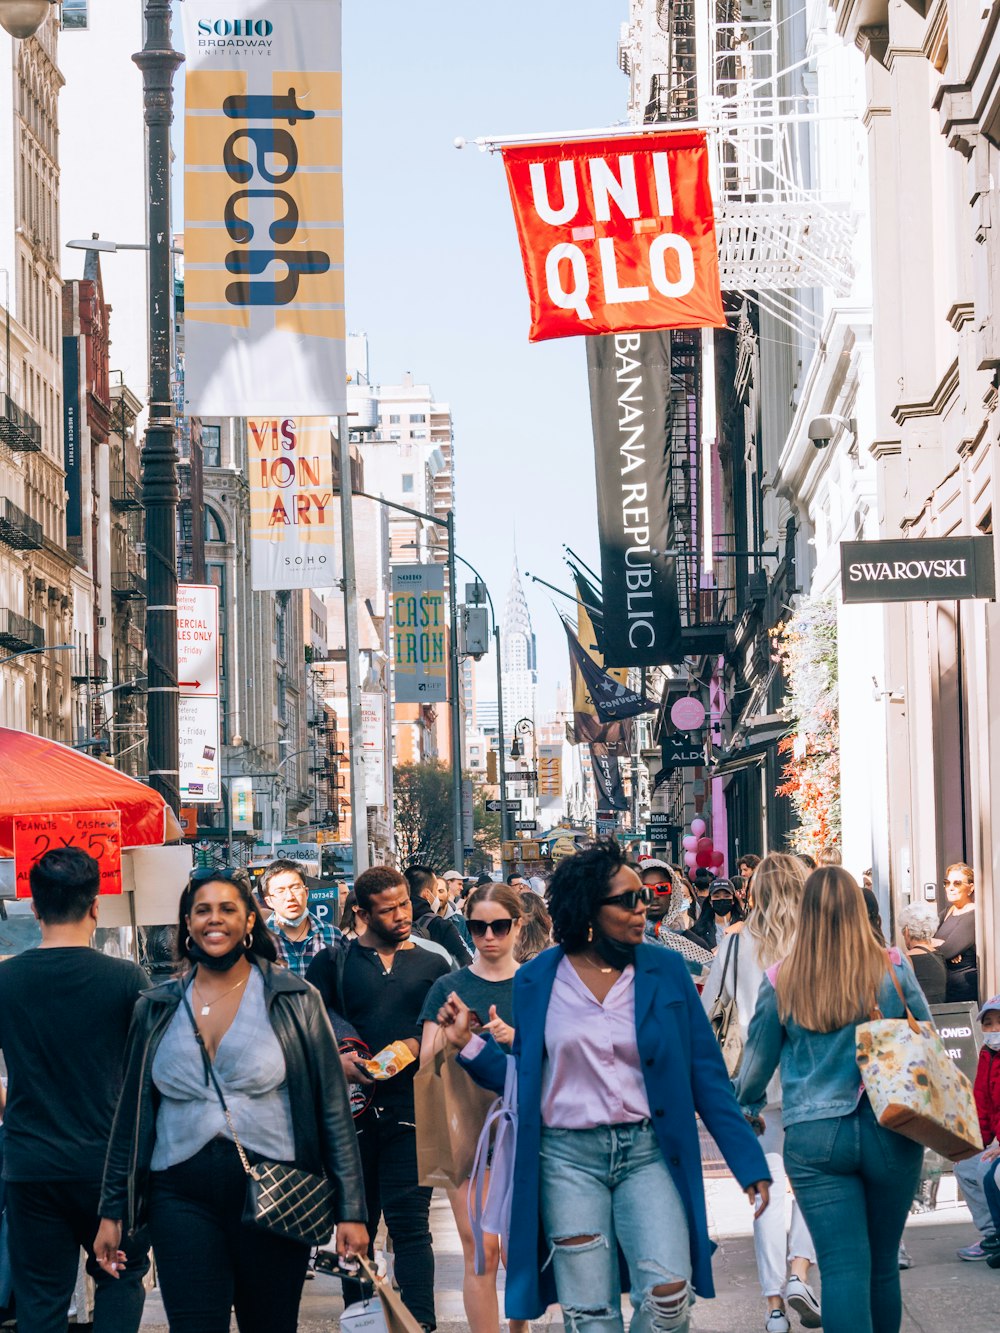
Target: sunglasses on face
[[660, 889], [629, 900], [501, 928]]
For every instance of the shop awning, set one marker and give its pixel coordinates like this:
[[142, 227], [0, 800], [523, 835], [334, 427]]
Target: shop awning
[[39, 776], [756, 740]]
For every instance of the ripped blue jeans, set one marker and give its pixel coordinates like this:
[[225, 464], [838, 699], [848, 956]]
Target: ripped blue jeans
[[601, 1188]]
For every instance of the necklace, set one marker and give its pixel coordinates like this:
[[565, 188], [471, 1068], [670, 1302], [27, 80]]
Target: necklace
[[590, 963], [206, 1005]]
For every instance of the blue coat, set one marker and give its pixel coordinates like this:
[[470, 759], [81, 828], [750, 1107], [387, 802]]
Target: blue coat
[[683, 1071]]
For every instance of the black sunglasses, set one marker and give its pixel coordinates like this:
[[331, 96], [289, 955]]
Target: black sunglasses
[[210, 874], [629, 900], [501, 928]]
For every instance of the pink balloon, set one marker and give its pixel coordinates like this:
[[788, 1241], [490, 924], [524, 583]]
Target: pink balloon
[[703, 859], [706, 845], [698, 827], [689, 843], [690, 860], [718, 859]]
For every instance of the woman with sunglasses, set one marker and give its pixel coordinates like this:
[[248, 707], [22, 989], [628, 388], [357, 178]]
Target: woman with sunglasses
[[173, 1162], [956, 934], [493, 915], [615, 1059]]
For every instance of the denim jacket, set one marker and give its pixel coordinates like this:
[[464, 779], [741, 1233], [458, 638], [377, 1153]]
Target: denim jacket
[[819, 1070]]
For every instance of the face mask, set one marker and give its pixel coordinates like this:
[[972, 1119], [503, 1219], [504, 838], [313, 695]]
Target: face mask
[[721, 906], [992, 1040], [614, 953], [293, 920], [682, 906], [216, 962]]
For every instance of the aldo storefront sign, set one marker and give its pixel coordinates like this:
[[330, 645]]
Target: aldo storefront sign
[[933, 569]]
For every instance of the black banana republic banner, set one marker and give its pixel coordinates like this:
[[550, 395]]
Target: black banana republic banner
[[629, 404], [607, 779]]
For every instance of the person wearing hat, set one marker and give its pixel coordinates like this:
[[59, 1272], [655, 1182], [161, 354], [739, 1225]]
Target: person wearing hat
[[454, 884], [977, 1175], [721, 911]]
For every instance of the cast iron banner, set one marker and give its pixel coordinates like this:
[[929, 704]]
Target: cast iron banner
[[293, 540], [420, 641], [263, 210], [629, 404], [921, 569], [617, 234]]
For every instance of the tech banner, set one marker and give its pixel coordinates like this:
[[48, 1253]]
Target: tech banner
[[617, 234], [294, 527], [629, 405], [263, 210]]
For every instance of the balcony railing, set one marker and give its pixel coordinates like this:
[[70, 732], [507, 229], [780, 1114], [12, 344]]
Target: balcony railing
[[88, 666], [17, 430], [125, 493], [18, 635], [128, 585], [17, 529]]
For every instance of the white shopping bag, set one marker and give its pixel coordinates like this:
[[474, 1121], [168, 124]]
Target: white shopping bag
[[363, 1317]]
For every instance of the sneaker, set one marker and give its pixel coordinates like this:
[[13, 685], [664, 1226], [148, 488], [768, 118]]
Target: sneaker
[[904, 1257], [777, 1322], [981, 1250], [802, 1299]]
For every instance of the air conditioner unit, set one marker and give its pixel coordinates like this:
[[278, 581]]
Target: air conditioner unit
[[102, 622]]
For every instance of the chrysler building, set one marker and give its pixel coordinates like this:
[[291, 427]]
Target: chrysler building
[[520, 674]]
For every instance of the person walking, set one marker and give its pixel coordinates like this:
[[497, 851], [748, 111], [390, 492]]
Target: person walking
[[721, 911], [956, 934], [235, 1019], [451, 907], [486, 986], [378, 984], [918, 926], [667, 920], [781, 1239], [535, 931], [614, 1059], [853, 1180], [977, 1175], [299, 935], [424, 903], [65, 1010]]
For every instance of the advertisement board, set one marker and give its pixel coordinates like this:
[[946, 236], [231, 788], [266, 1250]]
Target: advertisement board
[[294, 537], [198, 639], [198, 747], [373, 746], [97, 832], [419, 634]]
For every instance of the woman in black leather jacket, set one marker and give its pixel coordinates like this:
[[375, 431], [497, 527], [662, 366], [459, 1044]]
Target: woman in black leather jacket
[[172, 1162]]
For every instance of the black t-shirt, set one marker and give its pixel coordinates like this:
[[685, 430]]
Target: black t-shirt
[[64, 1017], [476, 992]]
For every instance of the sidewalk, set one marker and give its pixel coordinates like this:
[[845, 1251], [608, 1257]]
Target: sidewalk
[[939, 1291]]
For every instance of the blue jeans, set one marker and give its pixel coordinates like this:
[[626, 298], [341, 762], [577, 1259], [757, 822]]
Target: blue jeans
[[606, 1188], [854, 1182]]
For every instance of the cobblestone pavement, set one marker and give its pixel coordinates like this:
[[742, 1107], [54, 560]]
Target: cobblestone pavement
[[939, 1291]]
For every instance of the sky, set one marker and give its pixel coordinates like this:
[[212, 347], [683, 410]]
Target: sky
[[433, 271]]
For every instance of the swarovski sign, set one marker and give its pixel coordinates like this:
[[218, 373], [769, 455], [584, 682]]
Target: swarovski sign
[[932, 569]]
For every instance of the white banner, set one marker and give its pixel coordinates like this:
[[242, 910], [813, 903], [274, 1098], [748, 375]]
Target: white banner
[[198, 736], [373, 746], [263, 210], [241, 805], [294, 539], [198, 638]]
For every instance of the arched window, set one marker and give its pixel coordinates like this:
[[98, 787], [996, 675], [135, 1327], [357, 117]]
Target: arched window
[[214, 530]]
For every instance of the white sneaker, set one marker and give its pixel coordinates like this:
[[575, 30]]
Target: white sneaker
[[777, 1322], [802, 1299]]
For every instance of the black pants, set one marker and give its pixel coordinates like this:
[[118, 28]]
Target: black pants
[[387, 1138], [209, 1261], [50, 1221]]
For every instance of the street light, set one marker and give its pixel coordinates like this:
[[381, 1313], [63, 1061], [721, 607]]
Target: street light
[[23, 18], [49, 648]]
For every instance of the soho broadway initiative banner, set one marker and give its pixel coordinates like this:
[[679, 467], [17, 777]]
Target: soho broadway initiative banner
[[629, 405], [617, 234], [419, 637], [294, 540], [263, 210]]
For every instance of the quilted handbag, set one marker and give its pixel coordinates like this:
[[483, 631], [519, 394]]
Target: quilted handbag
[[913, 1085], [280, 1198], [724, 1016]]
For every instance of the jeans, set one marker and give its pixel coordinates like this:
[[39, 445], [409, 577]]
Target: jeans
[[606, 1188], [49, 1222], [855, 1182], [780, 1233], [387, 1138], [209, 1260], [976, 1177]]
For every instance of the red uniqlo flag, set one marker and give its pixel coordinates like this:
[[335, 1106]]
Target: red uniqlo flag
[[617, 235]]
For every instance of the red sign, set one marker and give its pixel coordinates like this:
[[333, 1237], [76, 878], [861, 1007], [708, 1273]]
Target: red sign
[[97, 832], [617, 235]]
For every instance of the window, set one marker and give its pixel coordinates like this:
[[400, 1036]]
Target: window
[[407, 483], [394, 420], [214, 531], [211, 445], [418, 418], [395, 435], [419, 434], [74, 14]]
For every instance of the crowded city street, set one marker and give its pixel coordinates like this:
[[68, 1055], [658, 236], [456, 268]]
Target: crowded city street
[[498, 608]]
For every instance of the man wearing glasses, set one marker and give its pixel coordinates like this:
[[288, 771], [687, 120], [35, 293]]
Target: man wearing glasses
[[298, 933]]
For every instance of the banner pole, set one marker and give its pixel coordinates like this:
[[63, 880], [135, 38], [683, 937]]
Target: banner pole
[[456, 704], [359, 808]]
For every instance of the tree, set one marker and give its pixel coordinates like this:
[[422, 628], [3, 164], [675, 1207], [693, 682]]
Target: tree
[[423, 817]]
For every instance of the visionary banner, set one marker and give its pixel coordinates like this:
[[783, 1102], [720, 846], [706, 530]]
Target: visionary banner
[[917, 569], [617, 234], [294, 542], [263, 210], [629, 405], [607, 779], [419, 637]]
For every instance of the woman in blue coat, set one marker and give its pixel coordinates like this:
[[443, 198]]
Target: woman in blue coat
[[614, 1057]]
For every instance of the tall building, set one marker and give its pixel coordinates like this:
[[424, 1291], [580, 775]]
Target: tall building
[[519, 669]]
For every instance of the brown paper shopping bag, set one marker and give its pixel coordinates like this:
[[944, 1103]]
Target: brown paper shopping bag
[[397, 1317], [450, 1113]]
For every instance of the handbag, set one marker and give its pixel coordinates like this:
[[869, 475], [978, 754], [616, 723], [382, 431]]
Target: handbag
[[490, 1204], [449, 1113], [397, 1317], [914, 1086], [295, 1204], [724, 1015]]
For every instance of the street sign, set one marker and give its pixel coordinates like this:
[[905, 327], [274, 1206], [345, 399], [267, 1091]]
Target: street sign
[[526, 826], [917, 569], [198, 747], [198, 639], [523, 775], [495, 807], [97, 832]]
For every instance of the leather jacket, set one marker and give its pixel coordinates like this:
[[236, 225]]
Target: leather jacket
[[322, 1125]]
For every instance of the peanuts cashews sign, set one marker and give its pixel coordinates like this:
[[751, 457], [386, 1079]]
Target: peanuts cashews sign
[[616, 234]]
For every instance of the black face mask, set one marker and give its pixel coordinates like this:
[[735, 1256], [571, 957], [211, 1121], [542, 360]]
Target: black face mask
[[722, 906], [216, 962], [614, 952]]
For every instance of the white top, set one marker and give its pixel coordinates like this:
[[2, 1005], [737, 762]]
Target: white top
[[748, 976]]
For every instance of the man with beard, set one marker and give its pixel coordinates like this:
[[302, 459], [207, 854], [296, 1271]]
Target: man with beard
[[298, 934], [377, 984]]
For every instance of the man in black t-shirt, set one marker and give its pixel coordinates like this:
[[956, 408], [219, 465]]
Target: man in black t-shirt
[[65, 1011], [378, 984]]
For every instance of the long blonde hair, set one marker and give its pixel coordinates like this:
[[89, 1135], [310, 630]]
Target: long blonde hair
[[777, 886], [832, 976]]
